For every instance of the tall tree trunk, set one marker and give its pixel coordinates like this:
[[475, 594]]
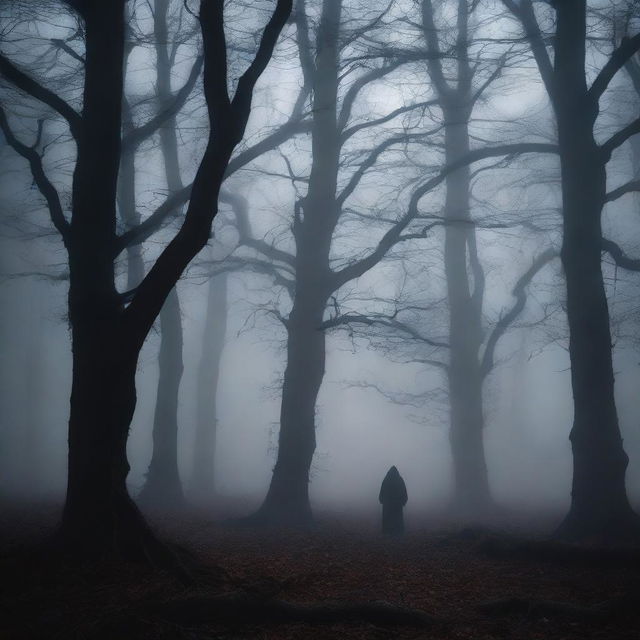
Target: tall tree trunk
[[98, 513], [162, 486], [287, 501], [599, 505], [471, 494], [471, 486], [99, 516], [204, 477]]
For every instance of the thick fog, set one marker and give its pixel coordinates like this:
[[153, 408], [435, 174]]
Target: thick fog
[[380, 403]]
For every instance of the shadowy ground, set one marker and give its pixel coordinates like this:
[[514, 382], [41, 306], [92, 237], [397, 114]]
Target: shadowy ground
[[468, 584]]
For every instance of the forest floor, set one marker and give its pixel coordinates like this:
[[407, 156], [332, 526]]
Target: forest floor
[[469, 584]]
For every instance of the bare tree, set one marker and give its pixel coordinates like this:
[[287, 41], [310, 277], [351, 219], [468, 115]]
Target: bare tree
[[599, 503], [308, 274], [99, 516], [314, 274], [457, 97]]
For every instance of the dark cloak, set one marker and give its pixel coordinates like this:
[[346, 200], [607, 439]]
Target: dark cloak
[[393, 497]]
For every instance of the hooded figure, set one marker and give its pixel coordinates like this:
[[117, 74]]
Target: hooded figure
[[393, 496]]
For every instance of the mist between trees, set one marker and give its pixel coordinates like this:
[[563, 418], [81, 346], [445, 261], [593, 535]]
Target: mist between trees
[[270, 250]]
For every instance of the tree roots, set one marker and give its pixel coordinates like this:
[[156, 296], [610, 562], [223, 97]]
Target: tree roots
[[246, 608], [601, 612]]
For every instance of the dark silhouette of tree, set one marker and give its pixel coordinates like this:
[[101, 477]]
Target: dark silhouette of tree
[[107, 335], [311, 274], [459, 75], [308, 274], [599, 503]]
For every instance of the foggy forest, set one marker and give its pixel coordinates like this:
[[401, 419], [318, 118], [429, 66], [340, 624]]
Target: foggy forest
[[319, 319]]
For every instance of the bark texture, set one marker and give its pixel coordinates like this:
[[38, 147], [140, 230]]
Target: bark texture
[[599, 505], [98, 513], [287, 500], [99, 516]]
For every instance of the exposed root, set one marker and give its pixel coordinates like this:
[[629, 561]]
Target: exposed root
[[244, 608], [601, 612], [130, 538], [621, 529]]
